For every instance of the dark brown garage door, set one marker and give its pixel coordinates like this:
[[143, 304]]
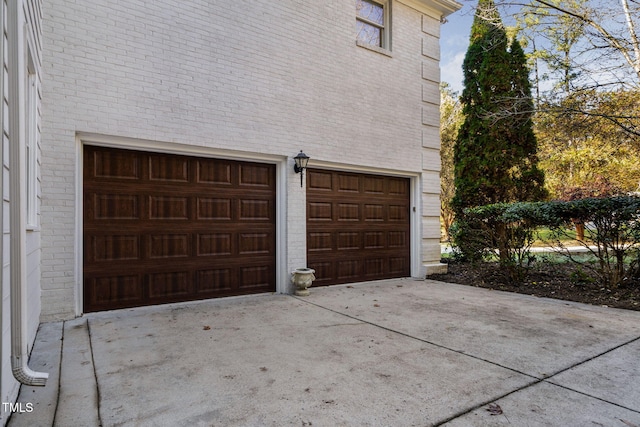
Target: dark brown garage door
[[358, 227], [164, 228]]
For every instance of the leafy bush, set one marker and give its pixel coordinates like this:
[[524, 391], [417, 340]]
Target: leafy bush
[[612, 235], [508, 229], [501, 229]]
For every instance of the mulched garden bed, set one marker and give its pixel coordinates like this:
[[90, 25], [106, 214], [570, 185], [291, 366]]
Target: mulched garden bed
[[564, 281]]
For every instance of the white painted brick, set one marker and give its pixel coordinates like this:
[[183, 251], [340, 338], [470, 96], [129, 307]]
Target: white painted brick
[[431, 26], [431, 46], [431, 92], [431, 250], [431, 160], [431, 228], [431, 205], [430, 115], [431, 182], [431, 137], [431, 70], [258, 77]]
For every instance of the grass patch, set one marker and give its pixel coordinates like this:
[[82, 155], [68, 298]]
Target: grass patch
[[545, 237]]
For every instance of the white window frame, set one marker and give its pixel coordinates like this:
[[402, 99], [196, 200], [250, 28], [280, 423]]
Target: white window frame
[[31, 142], [385, 28]]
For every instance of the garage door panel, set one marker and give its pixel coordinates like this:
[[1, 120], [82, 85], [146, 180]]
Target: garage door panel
[[114, 206], [320, 181], [398, 239], [319, 211], [215, 281], [358, 226], [398, 265], [168, 246], [374, 267], [348, 240], [325, 273], [398, 213], [256, 277], [255, 176], [255, 243], [374, 185], [217, 209], [214, 172], [174, 285], [114, 247], [319, 241], [186, 228], [168, 168], [256, 210], [398, 186], [374, 212], [103, 292], [348, 183], [375, 240], [348, 212], [167, 207], [118, 165], [214, 244], [348, 269]]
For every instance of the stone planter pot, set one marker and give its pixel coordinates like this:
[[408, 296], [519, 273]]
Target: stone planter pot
[[302, 279]]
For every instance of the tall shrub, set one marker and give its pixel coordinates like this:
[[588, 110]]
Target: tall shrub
[[495, 152]]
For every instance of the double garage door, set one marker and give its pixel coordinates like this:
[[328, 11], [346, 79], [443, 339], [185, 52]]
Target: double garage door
[[162, 228]]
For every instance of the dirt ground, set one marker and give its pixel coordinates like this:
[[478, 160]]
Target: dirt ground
[[564, 281]]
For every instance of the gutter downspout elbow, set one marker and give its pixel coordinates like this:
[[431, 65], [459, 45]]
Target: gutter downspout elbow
[[17, 226], [27, 376]]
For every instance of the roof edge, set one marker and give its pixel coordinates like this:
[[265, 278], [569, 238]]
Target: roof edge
[[436, 8]]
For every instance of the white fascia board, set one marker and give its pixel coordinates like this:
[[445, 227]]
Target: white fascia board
[[435, 8]]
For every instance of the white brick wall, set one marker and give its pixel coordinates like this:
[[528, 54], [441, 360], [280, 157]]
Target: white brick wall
[[257, 76], [29, 20]]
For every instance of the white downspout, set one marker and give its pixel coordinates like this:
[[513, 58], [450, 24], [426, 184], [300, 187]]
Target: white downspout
[[17, 226], [2, 95]]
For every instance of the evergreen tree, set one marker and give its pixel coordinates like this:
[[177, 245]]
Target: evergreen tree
[[527, 178], [495, 152]]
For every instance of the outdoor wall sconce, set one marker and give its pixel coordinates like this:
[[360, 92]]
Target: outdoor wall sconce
[[301, 164]]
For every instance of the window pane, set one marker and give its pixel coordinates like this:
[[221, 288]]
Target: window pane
[[368, 34], [370, 11]]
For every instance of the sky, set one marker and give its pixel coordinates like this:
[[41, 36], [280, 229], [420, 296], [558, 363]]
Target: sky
[[454, 40]]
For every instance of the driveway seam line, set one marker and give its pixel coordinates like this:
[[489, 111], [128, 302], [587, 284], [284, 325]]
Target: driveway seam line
[[592, 358], [420, 339], [95, 374], [467, 411], [536, 379], [534, 383], [593, 397], [55, 411], [549, 378]]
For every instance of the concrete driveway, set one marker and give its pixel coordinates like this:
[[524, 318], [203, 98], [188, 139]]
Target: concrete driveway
[[387, 353]]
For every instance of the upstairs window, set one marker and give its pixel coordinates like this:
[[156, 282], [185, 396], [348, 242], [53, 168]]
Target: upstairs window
[[372, 23]]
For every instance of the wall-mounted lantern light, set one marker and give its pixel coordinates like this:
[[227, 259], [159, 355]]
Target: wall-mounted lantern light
[[301, 164]]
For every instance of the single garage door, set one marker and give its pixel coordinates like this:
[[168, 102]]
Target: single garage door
[[162, 228], [358, 227]]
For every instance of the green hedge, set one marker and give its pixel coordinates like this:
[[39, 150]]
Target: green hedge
[[508, 229]]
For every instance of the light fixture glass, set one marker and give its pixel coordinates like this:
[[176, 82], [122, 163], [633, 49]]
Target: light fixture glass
[[301, 164]]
